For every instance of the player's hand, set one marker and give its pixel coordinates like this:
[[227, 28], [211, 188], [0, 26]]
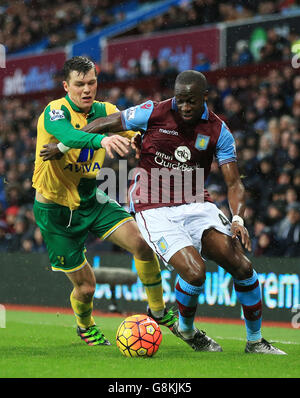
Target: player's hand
[[115, 143], [136, 144], [50, 152], [240, 231]]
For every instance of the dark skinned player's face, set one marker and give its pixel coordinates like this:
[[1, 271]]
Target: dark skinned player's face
[[190, 100]]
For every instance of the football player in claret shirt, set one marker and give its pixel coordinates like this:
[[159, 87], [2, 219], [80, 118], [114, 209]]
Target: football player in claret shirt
[[181, 134], [66, 207]]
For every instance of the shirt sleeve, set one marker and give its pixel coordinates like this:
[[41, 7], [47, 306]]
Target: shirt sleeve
[[225, 149], [136, 118], [110, 108], [58, 123]]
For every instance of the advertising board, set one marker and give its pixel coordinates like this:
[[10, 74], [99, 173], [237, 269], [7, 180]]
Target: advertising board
[[30, 74], [27, 280], [181, 48]]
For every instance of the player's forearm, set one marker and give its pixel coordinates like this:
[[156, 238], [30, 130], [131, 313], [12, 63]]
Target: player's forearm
[[73, 138], [235, 188], [236, 198], [109, 124], [92, 142]]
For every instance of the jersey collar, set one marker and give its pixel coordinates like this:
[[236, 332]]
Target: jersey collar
[[77, 109], [204, 115]]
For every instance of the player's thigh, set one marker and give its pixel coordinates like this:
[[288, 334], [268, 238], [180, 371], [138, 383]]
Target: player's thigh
[[170, 240], [66, 253], [226, 252], [203, 216], [116, 225], [165, 237], [129, 237], [65, 248], [107, 218]]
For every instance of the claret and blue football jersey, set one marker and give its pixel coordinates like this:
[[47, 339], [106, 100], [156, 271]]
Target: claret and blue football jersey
[[168, 142]]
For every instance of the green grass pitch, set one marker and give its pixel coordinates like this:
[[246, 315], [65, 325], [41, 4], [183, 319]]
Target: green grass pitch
[[45, 345]]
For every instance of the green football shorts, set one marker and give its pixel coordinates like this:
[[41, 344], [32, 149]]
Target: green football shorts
[[64, 232]]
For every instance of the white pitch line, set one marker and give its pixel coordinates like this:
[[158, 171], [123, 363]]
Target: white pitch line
[[241, 339], [47, 323], [164, 332]]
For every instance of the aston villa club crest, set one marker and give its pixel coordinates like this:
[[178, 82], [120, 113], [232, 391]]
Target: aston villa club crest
[[202, 142], [162, 245]]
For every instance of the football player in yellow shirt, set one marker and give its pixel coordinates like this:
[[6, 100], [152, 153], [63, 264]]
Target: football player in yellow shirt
[[66, 208]]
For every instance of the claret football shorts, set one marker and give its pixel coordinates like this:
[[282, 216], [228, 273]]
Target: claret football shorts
[[169, 229], [65, 232]]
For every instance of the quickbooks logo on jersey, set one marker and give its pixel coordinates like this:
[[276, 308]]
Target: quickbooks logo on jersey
[[182, 153]]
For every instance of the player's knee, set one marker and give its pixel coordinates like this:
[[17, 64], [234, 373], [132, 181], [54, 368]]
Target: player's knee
[[245, 270], [86, 291], [195, 277], [141, 250]]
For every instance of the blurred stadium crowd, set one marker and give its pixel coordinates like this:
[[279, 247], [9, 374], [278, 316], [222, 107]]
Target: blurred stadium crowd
[[60, 21], [263, 113]]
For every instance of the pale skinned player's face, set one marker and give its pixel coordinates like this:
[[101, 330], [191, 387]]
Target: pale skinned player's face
[[82, 89], [190, 102]]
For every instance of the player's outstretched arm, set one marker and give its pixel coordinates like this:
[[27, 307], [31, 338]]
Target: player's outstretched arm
[[236, 199], [114, 143], [109, 124], [113, 124]]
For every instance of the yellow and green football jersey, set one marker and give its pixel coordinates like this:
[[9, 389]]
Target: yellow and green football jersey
[[71, 180]]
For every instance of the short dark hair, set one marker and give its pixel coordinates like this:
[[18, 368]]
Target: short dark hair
[[192, 77], [79, 64]]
